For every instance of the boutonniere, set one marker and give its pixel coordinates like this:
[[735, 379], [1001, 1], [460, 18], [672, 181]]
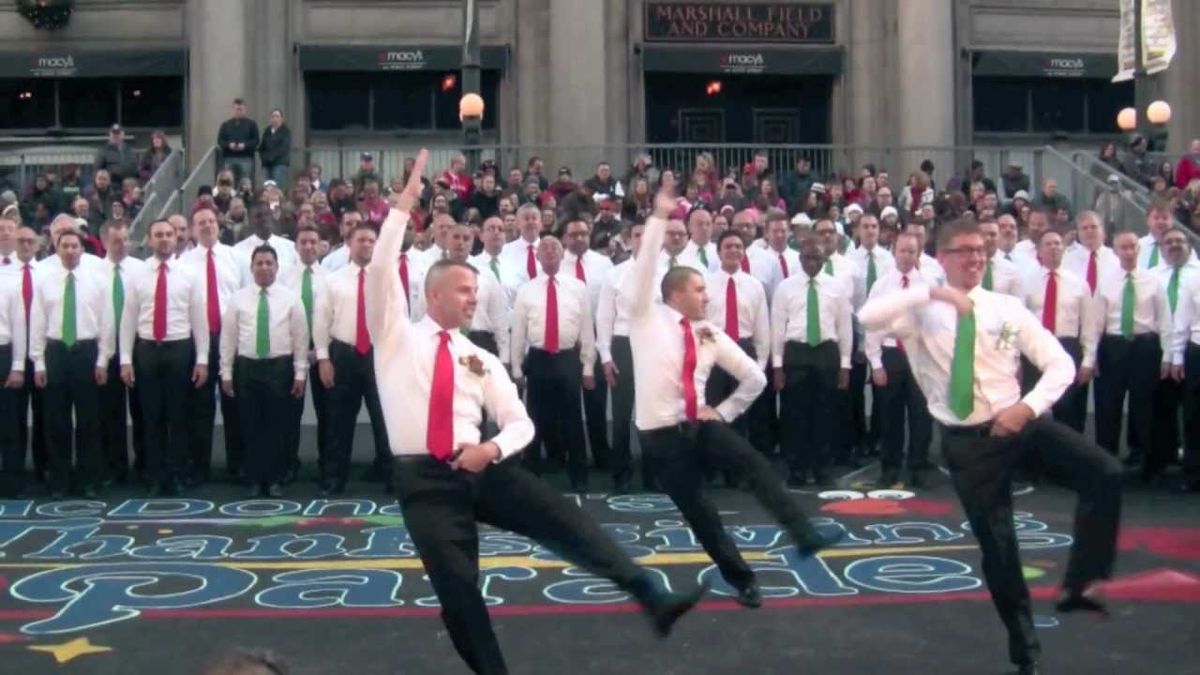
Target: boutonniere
[[474, 364], [705, 335], [1008, 334]]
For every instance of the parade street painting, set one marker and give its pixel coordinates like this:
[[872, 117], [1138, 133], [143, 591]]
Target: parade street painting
[[70, 568]]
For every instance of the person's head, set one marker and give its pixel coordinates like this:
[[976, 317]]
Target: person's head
[[510, 226], [1035, 225], [960, 252], [548, 218], [775, 232], [907, 252], [990, 231], [116, 135], [1125, 245], [633, 234], [158, 140], [826, 232], [8, 235], [1050, 187], [683, 290], [1050, 249], [162, 239], [115, 235], [529, 222], [68, 246], [362, 243], [264, 265], [1158, 218], [440, 227], [205, 228], [180, 224], [700, 226], [868, 230], [550, 254], [308, 244], [731, 249], [61, 223], [276, 118], [239, 108], [676, 238], [811, 250], [458, 163], [79, 207], [491, 233], [1006, 226], [350, 220], [1089, 228], [603, 171], [451, 289], [459, 240], [577, 236], [102, 179], [1175, 246], [745, 223]]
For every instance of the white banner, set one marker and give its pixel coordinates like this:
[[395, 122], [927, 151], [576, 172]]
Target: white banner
[[1158, 35], [1126, 58]]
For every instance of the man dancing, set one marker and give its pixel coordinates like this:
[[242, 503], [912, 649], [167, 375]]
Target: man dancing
[[445, 477], [963, 342]]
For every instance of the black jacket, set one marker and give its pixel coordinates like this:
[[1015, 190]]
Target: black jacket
[[488, 205], [276, 146], [234, 130], [119, 160]]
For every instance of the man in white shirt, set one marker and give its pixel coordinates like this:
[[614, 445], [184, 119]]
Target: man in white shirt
[[962, 342], [436, 386], [491, 260], [590, 268], [220, 271], [31, 432], [999, 274], [71, 337], [120, 270], [164, 354], [871, 261], [1158, 222], [307, 278], [673, 252], [700, 245], [489, 326], [775, 261], [264, 361], [88, 262], [1063, 303], [1091, 260], [261, 220], [339, 257], [553, 346], [929, 266], [12, 381], [896, 388], [1177, 274], [1038, 222], [343, 341], [616, 358], [439, 230], [1134, 352], [1185, 371], [520, 254]]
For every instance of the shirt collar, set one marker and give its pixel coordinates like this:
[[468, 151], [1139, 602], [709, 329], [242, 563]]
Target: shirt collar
[[428, 328]]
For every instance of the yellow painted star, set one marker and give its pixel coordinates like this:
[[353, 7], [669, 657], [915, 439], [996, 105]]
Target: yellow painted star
[[68, 651]]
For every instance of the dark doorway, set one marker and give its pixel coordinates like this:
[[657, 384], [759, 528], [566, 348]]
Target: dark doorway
[[751, 109]]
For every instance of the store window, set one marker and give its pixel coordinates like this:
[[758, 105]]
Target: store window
[[1048, 105], [389, 102], [84, 104]]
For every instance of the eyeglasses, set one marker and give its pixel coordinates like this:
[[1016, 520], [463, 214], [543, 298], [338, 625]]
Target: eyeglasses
[[968, 251]]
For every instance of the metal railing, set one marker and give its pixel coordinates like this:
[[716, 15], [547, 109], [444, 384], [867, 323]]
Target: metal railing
[[157, 190], [19, 168], [178, 201], [1084, 179]]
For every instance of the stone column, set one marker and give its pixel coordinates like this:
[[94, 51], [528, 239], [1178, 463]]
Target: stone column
[[869, 82], [1179, 81], [578, 108], [925, 74], [219, 67]]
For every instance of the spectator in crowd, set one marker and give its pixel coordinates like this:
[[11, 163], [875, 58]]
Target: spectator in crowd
[[1109, 157], [235, 222], [1050, 198], [155, 155], [1109, 202], [313, 171], [768, 197], [341, 198], [603, 185], [224, 194], [563, 185], [275, 149], [69, 185], [1188, 168], [643, 167], [536, 168], [366, 171], [101, 195], [426, 186], [1014, 180], [117, 156], [513, 183], [238, 140], [43, 195], [486, 199], [1136, 164], [976, 175], [1166, 171], [458, 179], [373, 206], [131, 197], [796, 183]]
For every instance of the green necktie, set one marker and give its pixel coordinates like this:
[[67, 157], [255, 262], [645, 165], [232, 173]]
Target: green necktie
[[262, 331], [870, 270], [962, 367], [495, 265], [306, 296], [68, 311], [118, 297], [1173, 289], [987, 276], [814, 314], [1153, 255], [829, 266], [1128, 301], [703, 256]]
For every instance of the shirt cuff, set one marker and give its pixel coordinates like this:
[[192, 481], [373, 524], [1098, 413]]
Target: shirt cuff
[[322, 354], [1177, 358], [202, 359], [39, 365], [777, 360], [876, 363], [605, 354], [846, 363]]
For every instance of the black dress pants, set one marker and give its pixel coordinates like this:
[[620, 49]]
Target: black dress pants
[[553, 382], [621, 462], [117, 405], [1071, 407], [900, 401], [808, 404], [162, 382], [266, 408], [12, 451], [1126, 366], [353, 384], [595, 413], [203, 416], [29, 399], [71, 392]]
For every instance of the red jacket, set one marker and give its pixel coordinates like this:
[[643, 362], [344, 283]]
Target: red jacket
[[1187, 171]]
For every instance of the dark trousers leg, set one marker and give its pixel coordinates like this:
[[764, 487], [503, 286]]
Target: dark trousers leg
[[1071, 407], [856, 402], [1112, 382], [262, 390], [345, 400], [808, 399], [162, 381], [202, 406], [920, 425], [1143, 381], [382, 462], [12, 452], [763, 420], [235, 448], [1168, 395], [114, 429], [894, 400], [537, 455], [72, 393], [31, 422], [622, 407], [320, 399], [568, 379], [679, 471], [595, 411]]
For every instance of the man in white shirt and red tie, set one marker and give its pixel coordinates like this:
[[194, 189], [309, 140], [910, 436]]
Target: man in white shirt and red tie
[[963, 343], [120, 270], [592, 269], [1177, 273], [343, 341], [900, 397], [553, 350], [439, 230], [264, 362], [811, 341], [1091, 260], [1134, 352], [489, 327], [164, 354], [999, 274], [221, 271], [1063, 303], [776, 261], [436, 386], [616, 358], [307, 279], [520, 254], [32, 435], [675, 351]]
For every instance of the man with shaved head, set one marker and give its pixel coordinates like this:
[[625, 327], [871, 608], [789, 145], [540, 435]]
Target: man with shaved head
[[435, 386]]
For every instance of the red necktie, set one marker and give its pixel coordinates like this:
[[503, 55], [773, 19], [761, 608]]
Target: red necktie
[[160, 304], [362, 338], [439, 435], [551, 341], [1091, 272], [27, 289], [1050, 308], [903, 284], [404, 279], [579, 270], [689, 371], [783, 265], [214, 297], [745, 264], [731, 310], [530, 262]]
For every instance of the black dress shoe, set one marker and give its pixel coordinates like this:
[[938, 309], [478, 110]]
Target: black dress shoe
[[797, 480], [750, 596], [1028, 669], [888, 478], [1079, 601], [916, 479], [669, 607], [811, 543]]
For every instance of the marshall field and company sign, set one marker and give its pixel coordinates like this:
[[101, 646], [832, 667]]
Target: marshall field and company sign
[[756, 22]]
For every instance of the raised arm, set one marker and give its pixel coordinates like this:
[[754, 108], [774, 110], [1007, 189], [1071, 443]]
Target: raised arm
[[386, 305], [644, 266]]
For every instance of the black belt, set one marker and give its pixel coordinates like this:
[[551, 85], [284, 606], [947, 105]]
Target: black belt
[[78, 343], [973, 431], [684, 428]]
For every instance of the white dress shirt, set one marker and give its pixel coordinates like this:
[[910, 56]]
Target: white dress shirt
[[682, 259], [491, 312], [1073, 317], [404, 363], [418, 267], [789, 315], [336, 314], [1076, 261], [337, 258], [287, 332], [93, 312], [131, 269], [1026, 248], [293, 278], [10, 266], [502, 271], [754, 321], [1146, 246], [87, 263], [656, 335], [931, 269], [232, 271], [1004, 331], [765, 266], [893, 282], [1187, 318], [711, 256], [1006, 276], [574, 320], [12, 323], [515, 256], [285, 249], [186, 315], [613, 309], [1165, 272], [596, 268], [1150, 313], [860, 256], [430, 255]]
